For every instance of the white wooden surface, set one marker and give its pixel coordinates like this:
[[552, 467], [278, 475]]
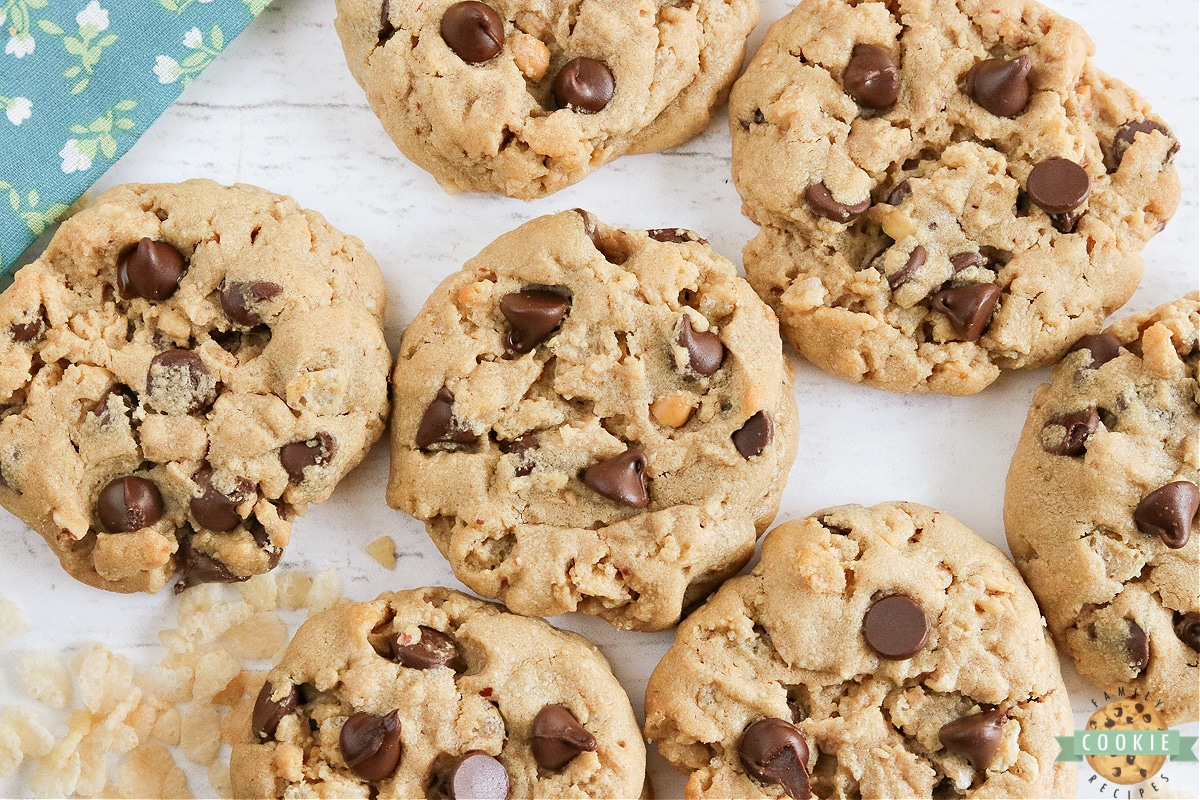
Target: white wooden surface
[[280, 109]]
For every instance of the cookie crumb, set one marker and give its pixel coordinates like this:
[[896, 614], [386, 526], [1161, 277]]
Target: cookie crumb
[[383, 550]]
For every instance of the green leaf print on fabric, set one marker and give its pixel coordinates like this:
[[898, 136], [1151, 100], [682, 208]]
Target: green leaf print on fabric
[[79, 153], [87, 44], [37, 220], [169, 70]]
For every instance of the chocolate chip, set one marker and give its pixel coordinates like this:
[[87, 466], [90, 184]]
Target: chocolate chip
[[1137, 648], [1104, 348], [521, 447], [557, 737], [1168, 512], [899, 193], [976, 736], [129, 504], [151, 270], [1002, 87], [896, 627], [1124, 138], [675, 235], [621, 479], [1187, 628], [371, 745], [821, 201], [296, 457], [1078, 425], [969, 308], [478, 776], [434, 649], [179, 383], [915, 260], [474, 31], [705, 351], [25, 332], [1058, 185], [438, 425], [871, 77], [386, 29], [773, 750], [754, 436], [194, 567], [584, 84], [1066, 223], [263, 540], [971, 258], [267, 712], [117, 401], [532, 314], [239, 301], [213, 510]]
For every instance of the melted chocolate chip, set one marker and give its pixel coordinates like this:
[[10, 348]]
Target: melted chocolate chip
[[474, 31], [240, 300], [754, 436], [296, 457], [773, 750], [1078, 425], [871, 77], [263, 540], [118, 401], [976, 736], [584, 84], [267, 712], [25, 332], [821, 201], [1137, 648], [521, 447], [1002, 87], [478, 776], [129, 504], [386, 29], [213, 510], [438, 425], [371, 745], [896, 627], [1102, 346], [621, 479], [971, 258], [899, 193], [1058, 185], [1168, 511], [194, 567], [557, 737], [1125, 136], [532, 314], [675, 235], [969, 308], [1187, 628], [705, 351], [916, 259], [179, 383], [151, 270], [434, 649]]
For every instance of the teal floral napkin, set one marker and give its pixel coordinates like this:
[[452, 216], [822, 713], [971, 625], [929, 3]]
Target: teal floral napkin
[[80, 81]]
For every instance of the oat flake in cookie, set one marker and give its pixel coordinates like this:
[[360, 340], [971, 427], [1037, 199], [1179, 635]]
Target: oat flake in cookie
[[873, 652], [430, 693], [182, 372], [1100, 507], [592, 418], [945, 189], [524, 97]]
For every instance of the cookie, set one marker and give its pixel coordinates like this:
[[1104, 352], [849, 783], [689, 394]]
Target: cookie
[[182, 372], [1100, 506], [592, 418], [524, 97], [430, 693], [873, 652], [945, 189]]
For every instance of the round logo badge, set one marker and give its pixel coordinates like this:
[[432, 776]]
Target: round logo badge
[[1127, 715]]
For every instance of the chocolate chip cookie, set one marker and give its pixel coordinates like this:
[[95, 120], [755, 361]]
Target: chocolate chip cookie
[[182, 372], [873, 652], [524, 97], [592, 418], [430, 693], [946, 189], [1100, 508]]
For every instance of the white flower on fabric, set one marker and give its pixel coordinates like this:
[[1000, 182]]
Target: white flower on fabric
[[19, 46], [73, 159], [19, 109], [193, 39], [93, 15], [167, 69]]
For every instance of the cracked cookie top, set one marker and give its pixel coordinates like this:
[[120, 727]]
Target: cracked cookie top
[[430, 693], [945, 189], [524, 97], [1100, 506], [184, 369], [873, 652], [592, 418]]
